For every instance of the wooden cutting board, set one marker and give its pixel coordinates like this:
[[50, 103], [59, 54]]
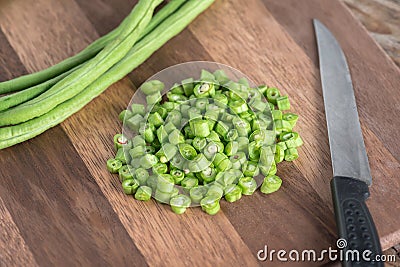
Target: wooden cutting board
[[59, 205]]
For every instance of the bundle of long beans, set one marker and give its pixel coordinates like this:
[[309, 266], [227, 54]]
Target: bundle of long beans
[[39, 101]]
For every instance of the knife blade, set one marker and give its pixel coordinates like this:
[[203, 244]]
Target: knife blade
[[348, 154], [351, 171]]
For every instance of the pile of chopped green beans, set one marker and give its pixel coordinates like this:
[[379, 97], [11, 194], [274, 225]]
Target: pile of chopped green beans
[[33, 103], [203, 140]]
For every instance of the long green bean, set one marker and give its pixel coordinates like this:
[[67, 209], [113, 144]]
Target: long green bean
[[89, 52], [170, 27], [93, 69], [17, 98]]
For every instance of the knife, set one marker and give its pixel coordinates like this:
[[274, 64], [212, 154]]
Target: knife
[[351, 172]]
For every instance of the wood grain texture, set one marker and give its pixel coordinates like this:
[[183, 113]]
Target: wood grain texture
[[197, 233], [290, 61], [12, 243], [71, 204], [35, 38], [381, 18], [369, 66], [62, 215], [10, 65]]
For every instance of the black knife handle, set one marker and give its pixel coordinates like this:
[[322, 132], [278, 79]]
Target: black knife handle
[[354, 222]]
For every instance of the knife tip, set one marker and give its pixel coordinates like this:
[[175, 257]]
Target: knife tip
[[316, 22]]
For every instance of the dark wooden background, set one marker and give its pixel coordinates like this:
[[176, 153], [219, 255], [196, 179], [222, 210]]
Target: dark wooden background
[[60, 206]]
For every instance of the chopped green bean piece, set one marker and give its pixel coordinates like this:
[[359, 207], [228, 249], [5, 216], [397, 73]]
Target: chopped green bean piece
[[231, 135], [199, 143], [200, 128], [188, 86], [276, 114], [291, 154], [167, 152], [204, 90], [243, 144], [220, 100], [197, 193], [160, 168], [283, 102], [238, 106], [221, 77], [122, 155], [208, 174], [231, 148], [279, 154], [271, 184], [165, 183], [251, 169], [206, 76], [291, 139], [221, 128], [282, 126], [138, 141], [162, 134], [242, 126], [152, 181], [198, 163], [178, 161], [162, 111], [152, 87], [176, 97], [176, 137], [272, 94], [237, 160], [291, 118], [155, 119], [138, 109], [113, 165], [248, 185], [141, 175], [133, 123], [254, 150], [213, 136], [148, 133], [121, 141], [177, 175], [202, 104], [210, 204], [187, 151], [153, 99], [215, 189], [189, 182], [262, 89], [143, 193], [130, 186], [125, 173], [177, 89], [225, 178], [135, 162], [232, 193], [266, 156], [169, 127], [180, 203], [272, 169], [125, 114], [147, 161], [162, 197]]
